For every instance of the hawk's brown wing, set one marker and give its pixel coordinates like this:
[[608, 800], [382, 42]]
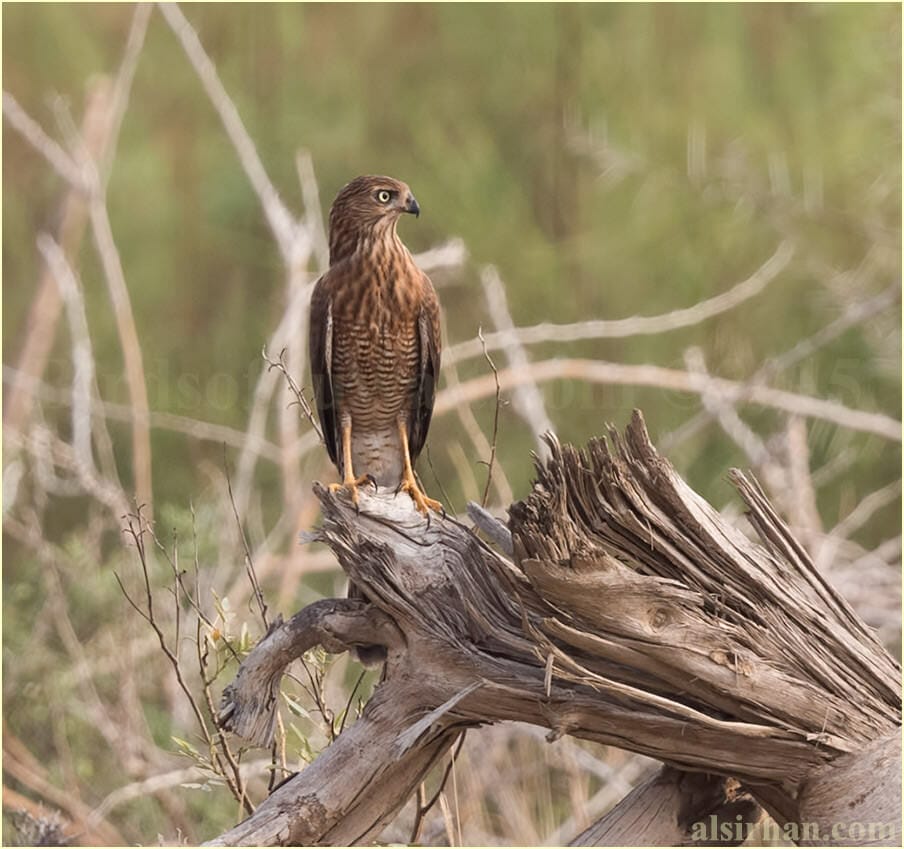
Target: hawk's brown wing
[[430, 346], [320, 346]]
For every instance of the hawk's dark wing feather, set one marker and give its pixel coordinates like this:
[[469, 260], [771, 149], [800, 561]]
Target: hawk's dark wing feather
[[430, 346], [320, 344]]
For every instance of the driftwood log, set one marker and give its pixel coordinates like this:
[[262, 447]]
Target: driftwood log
[[629, 612]]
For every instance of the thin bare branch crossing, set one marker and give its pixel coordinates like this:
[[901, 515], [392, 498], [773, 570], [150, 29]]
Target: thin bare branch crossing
[[636, 325], [621, 374]]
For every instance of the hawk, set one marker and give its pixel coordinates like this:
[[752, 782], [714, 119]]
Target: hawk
[[374, 342]]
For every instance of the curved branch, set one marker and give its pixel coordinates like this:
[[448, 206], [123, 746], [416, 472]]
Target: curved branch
[[619, 374], [641, 325], [249, 703]]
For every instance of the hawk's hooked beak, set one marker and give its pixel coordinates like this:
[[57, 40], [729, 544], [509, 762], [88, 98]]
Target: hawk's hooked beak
[[412, 207]]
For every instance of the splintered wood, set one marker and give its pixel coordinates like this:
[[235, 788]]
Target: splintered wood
[[631, 614]]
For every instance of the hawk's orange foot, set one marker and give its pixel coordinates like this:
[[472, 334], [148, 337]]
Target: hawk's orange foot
[[421, 501], [351, 486]]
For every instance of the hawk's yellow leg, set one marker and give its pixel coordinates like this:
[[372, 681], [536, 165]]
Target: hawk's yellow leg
[[349, 481], [409, 484]]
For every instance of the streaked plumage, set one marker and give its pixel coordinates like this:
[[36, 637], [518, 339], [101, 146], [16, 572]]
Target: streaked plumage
[[374, 341]]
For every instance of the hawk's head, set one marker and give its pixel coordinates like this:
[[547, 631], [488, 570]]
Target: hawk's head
[[367, 209]]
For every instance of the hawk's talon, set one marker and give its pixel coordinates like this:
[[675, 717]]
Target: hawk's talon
[[422, 502], [400, 348], [351, 487]]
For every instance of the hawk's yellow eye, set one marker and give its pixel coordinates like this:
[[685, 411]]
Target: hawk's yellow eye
[[384, 196]]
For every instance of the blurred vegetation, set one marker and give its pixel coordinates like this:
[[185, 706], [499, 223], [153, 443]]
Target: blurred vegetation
[[610, 160]]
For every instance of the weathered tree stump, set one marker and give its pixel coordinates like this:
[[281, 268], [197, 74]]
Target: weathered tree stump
[[630, 614]]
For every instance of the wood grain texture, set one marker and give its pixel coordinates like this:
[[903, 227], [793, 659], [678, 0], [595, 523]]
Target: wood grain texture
[[631, 614], [670, 807]]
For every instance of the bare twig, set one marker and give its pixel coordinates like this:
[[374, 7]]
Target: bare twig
[[292, 366], [280, 365], [45, 308], [222, 757], [889, 554], [131, 347], [48, 450], [478, 439], [424, 806], [597, 371], [122, 86], [850, 524], [351, 698], [854, 315], [281, 221], [801, 497], [92, 704], [195, 428], [492, 460], [451, 254], [21, 765], [295, 241], [313, 217], [249, 560], [154, 783], [82, 358], [527, 399], [637, 325], [88, 149], [613, 788], [725, 413], [263, 393], [33, 133], [97, 163], [308, 236]]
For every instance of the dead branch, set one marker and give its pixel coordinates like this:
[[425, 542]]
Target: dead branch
[[82, 357], [45, 309], [620, 374], [195, 428], [34, 134], [491, 462], [636, 325], [121, 302], [22, 765], [481, 445], [527, 398], [632, 614], [281, 221], [450, 254], [296, 391], [90, 157], [222, 758], [249, 703], [854, 314]]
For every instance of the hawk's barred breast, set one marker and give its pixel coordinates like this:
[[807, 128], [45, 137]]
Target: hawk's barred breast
[[374, 339]]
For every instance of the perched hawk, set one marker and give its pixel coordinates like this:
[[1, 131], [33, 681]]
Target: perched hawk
[[375, 342]]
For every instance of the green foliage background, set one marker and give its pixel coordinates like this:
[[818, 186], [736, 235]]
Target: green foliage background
[[499, 117]]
